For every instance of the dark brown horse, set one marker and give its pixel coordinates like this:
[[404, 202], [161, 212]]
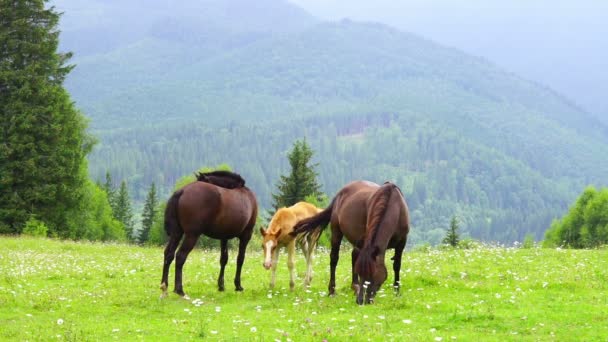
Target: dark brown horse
[[373, 219], [220, 206]]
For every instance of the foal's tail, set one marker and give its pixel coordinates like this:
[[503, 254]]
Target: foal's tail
[[171, 219], [313, 223]]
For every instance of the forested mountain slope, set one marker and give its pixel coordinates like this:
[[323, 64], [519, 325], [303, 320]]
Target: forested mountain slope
[[458, 134]]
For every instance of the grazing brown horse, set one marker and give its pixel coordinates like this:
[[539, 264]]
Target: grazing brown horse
[[278, 235], [373, 219], [220, 206]]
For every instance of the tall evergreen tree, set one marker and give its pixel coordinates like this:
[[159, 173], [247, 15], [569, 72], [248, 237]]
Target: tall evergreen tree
[[452, 236], [302, 179], [124, 211], [108, 187], [148, 214], [43, 170]]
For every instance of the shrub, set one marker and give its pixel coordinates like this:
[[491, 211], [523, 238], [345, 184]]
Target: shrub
[[34, 227]]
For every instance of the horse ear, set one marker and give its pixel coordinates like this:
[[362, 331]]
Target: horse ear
[[262, 231]]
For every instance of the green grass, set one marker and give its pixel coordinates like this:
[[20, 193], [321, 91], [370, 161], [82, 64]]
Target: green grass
[[54, 290]]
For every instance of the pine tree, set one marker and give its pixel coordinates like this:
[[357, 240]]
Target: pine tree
[[124, 212], [148, 214], [302, 179], [43, 146], [452, 236], [108, 187]]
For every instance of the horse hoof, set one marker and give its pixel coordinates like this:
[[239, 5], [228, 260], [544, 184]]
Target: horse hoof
[[221, 289], [186, 297], [163, 295], [239, 288]]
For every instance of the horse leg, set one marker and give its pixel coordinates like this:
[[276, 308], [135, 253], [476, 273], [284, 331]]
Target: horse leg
[[336, 239], [355, 282], [275, 262], [180, 259], [169, 256], [240, 259], [223, 262], [291, 248], [397, 264], [308, 252]]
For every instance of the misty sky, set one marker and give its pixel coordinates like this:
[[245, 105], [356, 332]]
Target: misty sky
[[563, 44]]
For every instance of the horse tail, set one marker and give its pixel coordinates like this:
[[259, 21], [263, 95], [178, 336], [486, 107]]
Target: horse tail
[[365, 265], [316, 222], [171, 219]]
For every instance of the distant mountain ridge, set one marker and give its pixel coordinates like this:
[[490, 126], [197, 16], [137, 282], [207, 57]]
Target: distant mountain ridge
[[213, 68]]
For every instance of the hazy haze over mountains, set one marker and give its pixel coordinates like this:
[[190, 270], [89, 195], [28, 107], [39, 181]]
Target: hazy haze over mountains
[[171, 87], [563, 43]]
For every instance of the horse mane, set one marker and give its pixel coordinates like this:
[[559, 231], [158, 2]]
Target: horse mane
[[365, 265], [221, 178]]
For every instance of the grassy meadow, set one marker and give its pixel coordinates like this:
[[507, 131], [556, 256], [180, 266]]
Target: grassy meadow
[[58, 290]]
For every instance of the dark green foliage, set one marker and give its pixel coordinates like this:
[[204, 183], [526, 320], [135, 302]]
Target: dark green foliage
[[586, 223], [96, 217], [43, 140], [149, 214], [302, 179], [157, 235], [452, 237], [124, 211], [441, 172]]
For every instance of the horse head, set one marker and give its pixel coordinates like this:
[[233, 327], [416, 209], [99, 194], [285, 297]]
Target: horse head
[[269, 244]]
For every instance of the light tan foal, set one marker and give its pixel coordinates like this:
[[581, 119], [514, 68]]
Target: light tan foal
[[277, 236]]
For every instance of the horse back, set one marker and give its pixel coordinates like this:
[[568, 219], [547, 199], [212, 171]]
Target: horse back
[[393, 219], [220, 213], [350, 213], [284, 219]]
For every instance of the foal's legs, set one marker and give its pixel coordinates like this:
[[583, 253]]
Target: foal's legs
[[291, 253], [309, 250], [240, 259], [397, 264], [336, 239], [275, 262], [223, 262], [180, 259], [169, 256]]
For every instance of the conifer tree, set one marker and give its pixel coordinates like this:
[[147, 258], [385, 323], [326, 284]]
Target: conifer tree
[[108, 187], [43, 139], [302, 179], [124, 212], [149, 214], [452, 236]]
